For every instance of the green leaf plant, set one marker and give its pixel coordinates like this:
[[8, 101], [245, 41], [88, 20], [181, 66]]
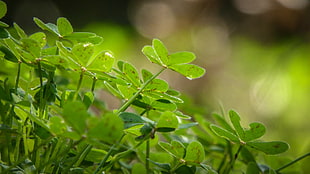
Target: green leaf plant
[[48, 123]]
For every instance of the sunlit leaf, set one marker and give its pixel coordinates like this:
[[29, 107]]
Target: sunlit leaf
[[188, 70], [83, 52], [270, 148], [40, 37], [132, 74], [126, 91], [167, 120], [181, 58], [84, 37], [3, 9], [31, 46], [195, 152], [64, 26], [49, 26], [150, 53], [21, 33], [157, 85], [113, 90], [102, 62], [161, 51]]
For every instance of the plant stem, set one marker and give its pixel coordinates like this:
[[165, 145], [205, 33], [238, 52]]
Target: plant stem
[[17, 76], [94, 84], [292, 162], [121, 155], [103, 161], [232, 162], [41, 110], [132, 99], [79, 83], [147, 156]]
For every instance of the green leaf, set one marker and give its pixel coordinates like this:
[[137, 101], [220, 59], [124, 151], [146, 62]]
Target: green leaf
[[187, 125], [175, 148], [194, 153], [57, 125], [48, 27], [270, 148], [84, 37], [164, 166], [184, 170], [29, 58], [113, 90], [103, 62], [21, 33], [235, 120], [132, 74], [64, 26], [83, 52], [4, 25], [75, 114], [31, 46], [88, 99], [131, 119], [222, 122], [40, 37], [157, 85], [108, 129], [181, 115], [190, 71], [66, 53], [256, 131], [146, 75], [126, 91], [4, 33], [163, 105], [138, 168], [150, 53], [3, 9], [224, 133], [161, 51], [167, 120], [252, 168], [181, 58], [8, 55], [55, 60]]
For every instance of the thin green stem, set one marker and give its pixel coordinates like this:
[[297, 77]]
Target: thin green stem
[[41, 110], [292, 162], [132, 99], [233, 160], [17, 76], [103, 161], [94, 84], [147, 156], [121, 155], [79, 83]]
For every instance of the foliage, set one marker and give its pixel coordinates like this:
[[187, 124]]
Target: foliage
[[47, 124]]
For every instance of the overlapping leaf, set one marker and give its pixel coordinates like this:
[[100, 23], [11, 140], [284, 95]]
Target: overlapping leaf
[[158, 53], [246, 136]]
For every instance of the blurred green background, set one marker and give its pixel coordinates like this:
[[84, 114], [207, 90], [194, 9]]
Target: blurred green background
[[256, 53]]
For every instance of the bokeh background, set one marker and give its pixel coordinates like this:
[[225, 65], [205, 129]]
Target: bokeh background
[[256, 52]]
